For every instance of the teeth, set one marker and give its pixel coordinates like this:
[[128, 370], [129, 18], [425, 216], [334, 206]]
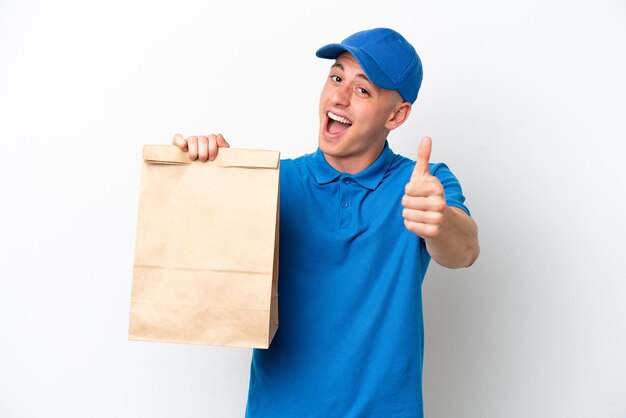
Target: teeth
[[339, 118]]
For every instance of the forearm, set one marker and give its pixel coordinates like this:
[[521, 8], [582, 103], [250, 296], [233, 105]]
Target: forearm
[[456, 244]]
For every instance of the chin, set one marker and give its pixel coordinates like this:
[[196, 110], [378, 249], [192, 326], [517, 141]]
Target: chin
[[329, 147]]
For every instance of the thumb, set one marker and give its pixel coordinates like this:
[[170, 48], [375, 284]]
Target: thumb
[[423, 156]]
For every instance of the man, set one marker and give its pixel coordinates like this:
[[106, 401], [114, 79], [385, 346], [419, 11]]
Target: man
[[359, 225]]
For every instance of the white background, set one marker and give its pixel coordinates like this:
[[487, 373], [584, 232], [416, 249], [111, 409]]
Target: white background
[[525, 100]]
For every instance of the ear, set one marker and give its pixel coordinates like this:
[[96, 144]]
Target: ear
[[398, 116]]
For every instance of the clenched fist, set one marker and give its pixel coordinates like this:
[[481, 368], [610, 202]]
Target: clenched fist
[[201, 147], [424, 200]]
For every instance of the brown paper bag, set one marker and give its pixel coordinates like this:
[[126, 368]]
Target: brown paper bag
[[206, 254]]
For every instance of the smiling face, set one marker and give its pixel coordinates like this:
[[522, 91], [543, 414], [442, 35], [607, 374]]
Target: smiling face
[[356, 116]]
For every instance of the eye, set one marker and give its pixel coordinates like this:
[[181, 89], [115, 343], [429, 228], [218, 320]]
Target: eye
[[335, 78], [363, 91]]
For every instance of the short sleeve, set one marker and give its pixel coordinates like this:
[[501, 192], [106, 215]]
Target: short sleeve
[[451, 186]]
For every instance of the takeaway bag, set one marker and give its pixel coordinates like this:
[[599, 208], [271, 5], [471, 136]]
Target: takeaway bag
[[206, 253]]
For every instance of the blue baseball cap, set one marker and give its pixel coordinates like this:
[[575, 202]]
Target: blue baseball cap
[[385, 56]]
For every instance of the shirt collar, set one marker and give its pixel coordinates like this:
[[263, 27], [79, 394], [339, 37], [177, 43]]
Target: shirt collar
[[369, 178]]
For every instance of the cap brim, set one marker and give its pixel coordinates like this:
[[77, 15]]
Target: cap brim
[[331, 51]]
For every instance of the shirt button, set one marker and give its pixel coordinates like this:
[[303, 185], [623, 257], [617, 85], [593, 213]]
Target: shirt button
[[347, 181], [344, 204]]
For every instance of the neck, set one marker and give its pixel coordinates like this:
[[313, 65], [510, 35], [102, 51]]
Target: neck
[[356, 163]]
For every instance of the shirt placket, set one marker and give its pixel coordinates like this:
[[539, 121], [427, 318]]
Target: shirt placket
[[347, 195]]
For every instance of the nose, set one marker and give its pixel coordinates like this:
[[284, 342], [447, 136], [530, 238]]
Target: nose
[[341, 95]]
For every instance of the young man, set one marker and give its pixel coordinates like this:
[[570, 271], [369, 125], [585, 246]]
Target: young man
[[359, 225]]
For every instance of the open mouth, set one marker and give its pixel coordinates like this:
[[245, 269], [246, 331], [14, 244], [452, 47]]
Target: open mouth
[[337, 124]]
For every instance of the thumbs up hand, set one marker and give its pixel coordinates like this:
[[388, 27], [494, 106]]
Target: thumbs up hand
[[424, 201]]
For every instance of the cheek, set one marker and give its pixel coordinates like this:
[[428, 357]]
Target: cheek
[[380, 118], [370, 120], [323, 99]]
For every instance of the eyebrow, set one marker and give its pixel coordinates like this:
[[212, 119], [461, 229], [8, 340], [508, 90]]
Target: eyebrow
[[340, 66]]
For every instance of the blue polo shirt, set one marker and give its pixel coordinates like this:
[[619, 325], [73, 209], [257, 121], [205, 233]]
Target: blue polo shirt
[[351, 337]]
